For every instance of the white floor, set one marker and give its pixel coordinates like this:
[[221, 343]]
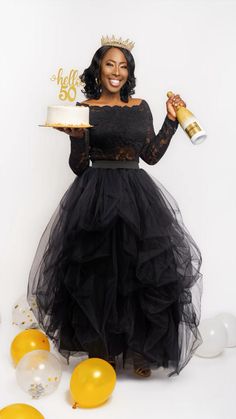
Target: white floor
[[205, 389]]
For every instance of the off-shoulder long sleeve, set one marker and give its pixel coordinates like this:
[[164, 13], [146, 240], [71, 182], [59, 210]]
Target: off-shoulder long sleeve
[[79, 156], [156, 145]]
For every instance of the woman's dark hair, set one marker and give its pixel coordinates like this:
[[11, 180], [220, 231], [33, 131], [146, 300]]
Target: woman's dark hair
[[92, 89]]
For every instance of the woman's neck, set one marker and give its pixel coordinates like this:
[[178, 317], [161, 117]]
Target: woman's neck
[[111, 99]]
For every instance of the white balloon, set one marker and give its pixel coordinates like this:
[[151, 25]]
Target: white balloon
[[38, 373], [22, 314], [214, 338], [229, 322]]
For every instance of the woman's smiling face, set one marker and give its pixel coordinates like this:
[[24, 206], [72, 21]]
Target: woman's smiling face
[[113, 71]]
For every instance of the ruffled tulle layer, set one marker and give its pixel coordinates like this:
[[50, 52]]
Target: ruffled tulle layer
[[116, 272]]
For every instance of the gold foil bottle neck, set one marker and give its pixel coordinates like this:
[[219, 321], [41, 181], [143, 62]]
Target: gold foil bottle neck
[[170, 93]]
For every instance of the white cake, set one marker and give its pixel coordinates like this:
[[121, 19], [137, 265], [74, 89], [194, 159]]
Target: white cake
[[62, 116]]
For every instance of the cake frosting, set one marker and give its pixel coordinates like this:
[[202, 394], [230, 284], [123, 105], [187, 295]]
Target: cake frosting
[[62, 116]]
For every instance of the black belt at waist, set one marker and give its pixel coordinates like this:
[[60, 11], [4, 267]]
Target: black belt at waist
[[115, 164]]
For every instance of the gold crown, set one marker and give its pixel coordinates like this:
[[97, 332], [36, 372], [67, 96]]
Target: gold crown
[[115, 42]]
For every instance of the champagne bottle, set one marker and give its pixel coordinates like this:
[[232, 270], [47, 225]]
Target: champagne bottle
[[189, 123]]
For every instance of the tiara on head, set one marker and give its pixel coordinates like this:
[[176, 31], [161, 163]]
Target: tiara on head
[[115, 42]]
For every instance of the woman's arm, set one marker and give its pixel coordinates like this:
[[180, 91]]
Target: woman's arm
[[156, 145], [79, 148], [79, 156]]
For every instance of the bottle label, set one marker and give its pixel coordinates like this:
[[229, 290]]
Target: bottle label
[[192, 129]]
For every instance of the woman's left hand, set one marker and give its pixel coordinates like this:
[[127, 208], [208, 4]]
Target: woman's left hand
[[171, 105]]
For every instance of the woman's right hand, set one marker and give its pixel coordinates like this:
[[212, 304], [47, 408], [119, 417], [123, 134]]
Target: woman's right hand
[[73, 132]]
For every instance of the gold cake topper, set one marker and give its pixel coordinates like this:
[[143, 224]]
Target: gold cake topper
[[115, 42], [68, 84]]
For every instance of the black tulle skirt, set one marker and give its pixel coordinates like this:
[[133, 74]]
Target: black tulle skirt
[[117, 274]]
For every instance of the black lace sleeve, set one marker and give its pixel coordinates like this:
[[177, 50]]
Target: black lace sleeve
[[156, 145], [79, 154]]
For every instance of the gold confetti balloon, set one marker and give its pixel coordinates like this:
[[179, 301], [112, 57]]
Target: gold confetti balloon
[[92, 383], [22, 314], [38, 373], [20, 411], [27, 341]]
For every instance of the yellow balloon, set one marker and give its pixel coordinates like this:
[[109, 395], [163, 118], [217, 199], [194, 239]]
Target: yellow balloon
[[20, 411], [92, 382], [27, 341]]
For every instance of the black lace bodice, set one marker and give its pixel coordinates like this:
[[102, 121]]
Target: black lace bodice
[[121, 133]]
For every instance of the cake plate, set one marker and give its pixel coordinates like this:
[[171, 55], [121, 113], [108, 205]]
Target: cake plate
[[66, 126]]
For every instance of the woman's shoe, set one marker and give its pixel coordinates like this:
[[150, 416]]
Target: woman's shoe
[[141, 365], [142, 372]]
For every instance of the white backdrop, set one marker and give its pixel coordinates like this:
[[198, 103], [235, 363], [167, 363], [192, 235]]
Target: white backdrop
[[185, 46]]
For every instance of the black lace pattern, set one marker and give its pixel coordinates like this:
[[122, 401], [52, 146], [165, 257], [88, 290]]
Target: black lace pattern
[[121, 133]]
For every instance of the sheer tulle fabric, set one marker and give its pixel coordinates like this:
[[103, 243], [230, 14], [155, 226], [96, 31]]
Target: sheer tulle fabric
[[116, 272]]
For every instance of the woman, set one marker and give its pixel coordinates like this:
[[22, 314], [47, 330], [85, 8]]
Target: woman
[[116, 272]]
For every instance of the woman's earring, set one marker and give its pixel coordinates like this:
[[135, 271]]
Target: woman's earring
[[98, 83]]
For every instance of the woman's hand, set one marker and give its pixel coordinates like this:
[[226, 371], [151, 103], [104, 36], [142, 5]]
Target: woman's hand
[[172, 104], [73, 132]]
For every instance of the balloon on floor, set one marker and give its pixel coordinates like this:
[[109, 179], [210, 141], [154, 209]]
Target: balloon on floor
[[229, 322], [22, 314], [214, 338], [38, 373], [20, 411], [27, 341], [92, 383]]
